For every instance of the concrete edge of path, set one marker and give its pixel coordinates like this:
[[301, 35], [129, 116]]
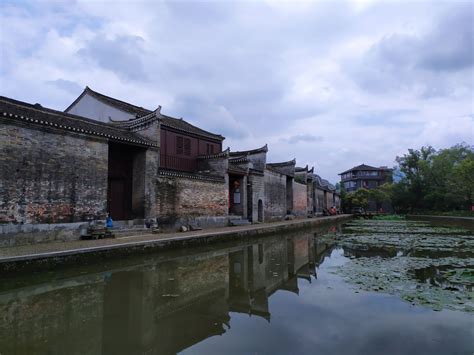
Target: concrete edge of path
[[50, 259]]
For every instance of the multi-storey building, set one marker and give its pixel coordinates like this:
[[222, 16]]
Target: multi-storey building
[[368, 177], [365, 176]]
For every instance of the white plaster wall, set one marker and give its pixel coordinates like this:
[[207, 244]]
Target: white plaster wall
[[88, 106]]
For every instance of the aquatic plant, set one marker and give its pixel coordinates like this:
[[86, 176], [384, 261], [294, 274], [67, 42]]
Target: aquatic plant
[[425, 265]]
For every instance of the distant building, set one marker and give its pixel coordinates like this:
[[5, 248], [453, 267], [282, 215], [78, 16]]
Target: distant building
[[368, 177], [365, 176]]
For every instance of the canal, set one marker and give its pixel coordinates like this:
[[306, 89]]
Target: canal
[[366, 287]]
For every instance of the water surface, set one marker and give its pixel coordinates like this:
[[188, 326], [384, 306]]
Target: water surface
[[303, 293]]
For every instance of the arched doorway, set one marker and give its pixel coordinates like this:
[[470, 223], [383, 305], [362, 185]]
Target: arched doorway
[[260, 211]]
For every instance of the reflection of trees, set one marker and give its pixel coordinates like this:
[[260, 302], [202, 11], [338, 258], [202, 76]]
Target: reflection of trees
[[156, 306]]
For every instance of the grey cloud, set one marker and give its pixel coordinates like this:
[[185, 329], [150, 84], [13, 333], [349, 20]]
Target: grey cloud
[[242, 63], [450, 47], [306, 138], [66, 85], [120, 55], [209, 115], [254, 71], [385, 117], [422, 64]]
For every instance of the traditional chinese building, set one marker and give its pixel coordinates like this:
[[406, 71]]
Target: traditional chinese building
[[61, 170], [58, 167], [325, 195], [246, 183], [185, 152]]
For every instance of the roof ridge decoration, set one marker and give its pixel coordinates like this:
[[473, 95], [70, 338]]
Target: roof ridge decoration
[[66, 121], [311, 170], [285, 163], [223, 154], [263, 149]]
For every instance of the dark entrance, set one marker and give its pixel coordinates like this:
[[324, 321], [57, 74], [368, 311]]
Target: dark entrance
[[260, 211], [125, 181], [289, 195]]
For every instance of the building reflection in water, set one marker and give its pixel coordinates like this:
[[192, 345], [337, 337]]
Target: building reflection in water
[[157, 306]]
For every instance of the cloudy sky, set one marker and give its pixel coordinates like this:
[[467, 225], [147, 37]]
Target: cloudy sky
[[333, 84]]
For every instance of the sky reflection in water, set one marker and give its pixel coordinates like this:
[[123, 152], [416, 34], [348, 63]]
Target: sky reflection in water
[[274, 295]]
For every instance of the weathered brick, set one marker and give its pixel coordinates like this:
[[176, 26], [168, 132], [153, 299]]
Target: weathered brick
[[300, 199], [275, 195], [183, 198], [51, 177]]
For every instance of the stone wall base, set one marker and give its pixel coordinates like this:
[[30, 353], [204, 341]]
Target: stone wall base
[[23, 234]]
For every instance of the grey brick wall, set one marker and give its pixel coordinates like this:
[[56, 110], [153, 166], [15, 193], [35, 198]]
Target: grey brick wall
[[50, 177], [182, 199], [300, 199], [275, 195], [256, 193]]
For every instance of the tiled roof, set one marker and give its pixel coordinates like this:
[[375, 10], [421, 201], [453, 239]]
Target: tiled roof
[[239, 159], [322, 183], [299, 169], [237, 169], [364, 167], [223, 154], [328, 185], [167, 121], [121, 105], [181, 125], [263, 149], [285, 163], [38, 115]]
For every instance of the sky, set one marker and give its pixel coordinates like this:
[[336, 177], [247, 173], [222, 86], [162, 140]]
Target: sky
[[333, 84]]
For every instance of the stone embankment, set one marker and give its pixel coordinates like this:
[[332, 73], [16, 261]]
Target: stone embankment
[[48, 255]]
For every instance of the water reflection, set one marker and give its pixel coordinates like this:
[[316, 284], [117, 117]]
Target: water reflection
[[156, 307], [275, 294]]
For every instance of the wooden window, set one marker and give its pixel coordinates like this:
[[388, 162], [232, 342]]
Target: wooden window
[[183, 146], [209, 148], [179, 145], [187, 146]]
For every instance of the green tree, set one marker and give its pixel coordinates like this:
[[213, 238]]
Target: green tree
[[358, 198], [415, 168], [435, 180], [462, 181]]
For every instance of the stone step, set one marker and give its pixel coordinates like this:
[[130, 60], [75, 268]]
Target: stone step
[[132, 223]]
